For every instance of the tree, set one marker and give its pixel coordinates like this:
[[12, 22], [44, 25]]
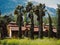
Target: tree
[[0, 24], [25, 16], [0, 12], [32, 25], [13, 17], [58, 25], [29, 6], [41, 14], [1, 29], [39, 11], [6, 20], [3, 25], [29, 9], [18, 11], [50, 33]]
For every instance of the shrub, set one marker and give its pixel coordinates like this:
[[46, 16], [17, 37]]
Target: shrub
[[26, 41]]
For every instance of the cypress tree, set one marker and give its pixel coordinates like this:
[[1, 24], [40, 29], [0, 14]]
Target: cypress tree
[[58, 25]]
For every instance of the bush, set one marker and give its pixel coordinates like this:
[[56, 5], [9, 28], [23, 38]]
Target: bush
[[45, 41]]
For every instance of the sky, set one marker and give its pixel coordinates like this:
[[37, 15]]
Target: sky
[[50, 3], [9, 5]]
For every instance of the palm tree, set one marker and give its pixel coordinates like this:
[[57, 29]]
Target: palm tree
[[32, 24], [50, 33], [25, 16], [58, 25], [29, 6], [18, 11], [29, 9], [40, 13]]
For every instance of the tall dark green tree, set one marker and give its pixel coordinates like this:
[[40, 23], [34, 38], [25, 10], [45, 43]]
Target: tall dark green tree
[[0, 23], [6, 20], [18, 11], [1, 29], [58, 25], [25, 16], [32, 25], [3, 25], [0, 12], [40, 13], [50, 32], [29, 6], [29, 9]]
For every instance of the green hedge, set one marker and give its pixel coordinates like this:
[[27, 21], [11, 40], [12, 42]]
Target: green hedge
[[45, 41]]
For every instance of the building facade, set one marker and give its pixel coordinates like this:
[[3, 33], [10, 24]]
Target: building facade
[[13, 29]]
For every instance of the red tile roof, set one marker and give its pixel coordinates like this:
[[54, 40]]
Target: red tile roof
[[23, 29], [17, 28], [14, 27]]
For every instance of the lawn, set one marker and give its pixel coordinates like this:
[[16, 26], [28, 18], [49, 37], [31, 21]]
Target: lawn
[[45, 41]]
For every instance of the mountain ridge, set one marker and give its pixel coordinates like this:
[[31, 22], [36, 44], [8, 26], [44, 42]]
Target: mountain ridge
[[9, 6]]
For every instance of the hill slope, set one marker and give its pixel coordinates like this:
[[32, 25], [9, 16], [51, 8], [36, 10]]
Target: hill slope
[[8, 6]]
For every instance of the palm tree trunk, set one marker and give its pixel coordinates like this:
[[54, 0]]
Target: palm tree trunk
[[0, 32], [20, 32], [50, 33], [20, 27], [40, 25], [19, 23], [32, 27]]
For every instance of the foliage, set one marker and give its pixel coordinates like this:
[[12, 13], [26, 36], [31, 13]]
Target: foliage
[[54, 20], [50, 34], [19, 20], [38, 10], [26, 41], [58, 22], [3, 25]]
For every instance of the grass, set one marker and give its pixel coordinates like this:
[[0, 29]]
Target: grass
[[45, 41]]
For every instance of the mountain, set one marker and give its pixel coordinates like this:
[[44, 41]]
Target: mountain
[[8, 6], [51, 11]]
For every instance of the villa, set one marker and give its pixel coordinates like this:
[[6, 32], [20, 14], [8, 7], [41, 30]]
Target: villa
[[13, 29]]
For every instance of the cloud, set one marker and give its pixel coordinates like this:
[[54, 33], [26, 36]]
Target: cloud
[[50, 3]]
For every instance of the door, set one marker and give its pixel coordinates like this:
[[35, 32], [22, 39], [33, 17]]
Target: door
[[15, 34]]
